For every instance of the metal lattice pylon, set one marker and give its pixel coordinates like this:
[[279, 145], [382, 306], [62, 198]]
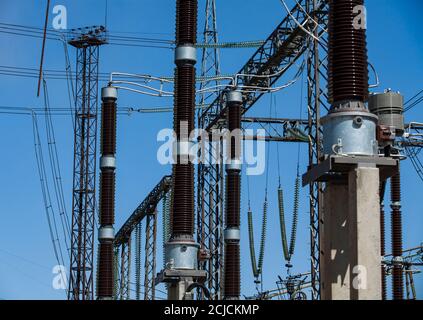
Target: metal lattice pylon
[[81, 284], [210, 177], [317, 100]]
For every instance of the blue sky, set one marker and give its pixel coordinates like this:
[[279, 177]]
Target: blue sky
[[26, 254]]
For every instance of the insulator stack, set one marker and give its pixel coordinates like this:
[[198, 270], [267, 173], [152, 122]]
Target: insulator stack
[[183, 170], [382, 250], [348, 71], [181, 251], [382, 191], [349, 128], [107, 194], [232, 286], [396, 225]]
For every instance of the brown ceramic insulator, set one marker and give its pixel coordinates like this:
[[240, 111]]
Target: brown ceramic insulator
[[105, 270], [233, 187], [186, 22], [107, 197], [232, 284], [396, 225], [184, 100], [348, 70], [182, 215], [234, 122], [183, 203], [108, 127], [382, 251]]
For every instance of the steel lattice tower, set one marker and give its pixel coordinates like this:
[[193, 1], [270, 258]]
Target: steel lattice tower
[[81, 282], [210, 178], [317, 99]]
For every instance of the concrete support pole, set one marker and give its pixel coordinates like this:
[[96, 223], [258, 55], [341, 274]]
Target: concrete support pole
[[364, 208], [350, 237]]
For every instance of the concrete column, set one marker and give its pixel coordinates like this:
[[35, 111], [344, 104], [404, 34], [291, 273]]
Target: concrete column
[[364, 210], [350, 237], [334, 239]]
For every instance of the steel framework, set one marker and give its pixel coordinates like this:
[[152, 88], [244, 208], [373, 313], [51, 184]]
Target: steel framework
[[210, 178], [287, 43], [150, 255], [317, 99], [146, 210], [125, 270], [81, 284]]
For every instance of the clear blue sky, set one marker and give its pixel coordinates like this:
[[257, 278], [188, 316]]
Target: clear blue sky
[[26, 254]]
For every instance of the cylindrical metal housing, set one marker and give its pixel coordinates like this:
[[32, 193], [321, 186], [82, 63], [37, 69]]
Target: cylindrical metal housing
[[389, 107], [350, 133], [181, 254]]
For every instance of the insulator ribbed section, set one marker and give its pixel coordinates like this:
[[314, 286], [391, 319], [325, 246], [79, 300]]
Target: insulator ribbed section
[[186, 21], [184, 99], [382, 251], [233, 194], [105, 270], [182, 215], [348, 71], [183, 205], [234, 123], [396, 225], [108, 127], [107, 197], [232, 288]]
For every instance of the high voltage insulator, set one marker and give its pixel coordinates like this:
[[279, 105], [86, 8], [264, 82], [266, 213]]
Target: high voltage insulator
[[348, 73], [251, 243], [396, 225], [282, 224], [232, 273], [107, 194], [181, 249], [295, 217], [263, 237]]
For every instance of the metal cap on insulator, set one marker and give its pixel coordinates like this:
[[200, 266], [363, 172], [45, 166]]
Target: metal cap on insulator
[[108, 162], [106, 233], [234, 165], [186, 54], [109, 93], [232, 235], [234, 96]]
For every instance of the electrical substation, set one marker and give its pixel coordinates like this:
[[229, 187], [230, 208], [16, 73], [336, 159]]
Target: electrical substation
[[324, 218]]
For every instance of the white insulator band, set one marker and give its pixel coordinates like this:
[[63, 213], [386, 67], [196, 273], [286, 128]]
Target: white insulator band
[[234, 165], [234, 96], [107, 162], [106, 233], [109, 92], [232, 235], [185, 53]]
